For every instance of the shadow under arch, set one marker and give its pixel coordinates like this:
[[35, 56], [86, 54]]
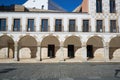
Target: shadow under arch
[[74, 41], [7, 42], [29, 42], [50, 40], [113, 46], [94, 43]]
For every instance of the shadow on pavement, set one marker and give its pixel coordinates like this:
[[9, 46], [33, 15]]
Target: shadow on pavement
[[7, 70], [117, 71]]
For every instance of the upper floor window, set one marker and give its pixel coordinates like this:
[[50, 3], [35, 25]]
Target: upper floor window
[[99, 25], [16, 26], [112, 6], [58, 25], [72, 25], [85, 25], [113, 26], [99, 6], [30, 26], [2, 24], [44, 25]]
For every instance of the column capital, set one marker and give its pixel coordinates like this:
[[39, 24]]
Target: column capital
[[84, 44], [106, 44], [61, 38], [61, 44], [16, 43], [38, 44]]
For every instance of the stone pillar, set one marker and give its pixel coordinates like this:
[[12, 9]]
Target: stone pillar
[[39, 54], [79, 25], [52, 26], [107, 28], [38, 26], [106, 49], [24, 23], [9, 24], [62, 52], [93, 26], [16, 52], [119, 23], [84, 52], [65, 24]]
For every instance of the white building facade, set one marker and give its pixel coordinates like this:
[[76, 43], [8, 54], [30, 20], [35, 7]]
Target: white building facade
[[77, 36]]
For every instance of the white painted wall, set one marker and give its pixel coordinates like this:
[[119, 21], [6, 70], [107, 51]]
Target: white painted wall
[[92, 16], [36, 4]]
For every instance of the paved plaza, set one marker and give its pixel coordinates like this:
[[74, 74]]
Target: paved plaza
[[59, 71]]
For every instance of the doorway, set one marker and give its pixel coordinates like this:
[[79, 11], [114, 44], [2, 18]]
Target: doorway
[[90, 51], [71, 51], [51, 51]]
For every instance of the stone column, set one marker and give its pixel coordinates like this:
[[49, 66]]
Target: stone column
[[84, 51], [39, 54], [62, 52], [106, 49], [16, 52]]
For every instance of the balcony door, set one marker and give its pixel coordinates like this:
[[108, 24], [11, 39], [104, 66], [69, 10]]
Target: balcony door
[[71, 51], [51, 51]]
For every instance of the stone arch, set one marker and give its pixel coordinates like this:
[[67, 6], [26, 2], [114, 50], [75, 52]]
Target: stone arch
[[96, 43], [73, 40], [114, 48], [27, 47], [6, 47], [49, 40]]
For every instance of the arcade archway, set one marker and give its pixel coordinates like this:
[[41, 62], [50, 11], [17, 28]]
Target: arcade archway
[[6, 47], [114, 50], [50, 46], [95, 48], [72, 45], [27, 47]]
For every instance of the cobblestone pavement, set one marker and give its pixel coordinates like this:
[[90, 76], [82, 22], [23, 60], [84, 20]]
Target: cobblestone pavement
[[59, 71]]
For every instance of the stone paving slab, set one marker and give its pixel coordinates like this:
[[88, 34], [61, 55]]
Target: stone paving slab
[[59, 71]]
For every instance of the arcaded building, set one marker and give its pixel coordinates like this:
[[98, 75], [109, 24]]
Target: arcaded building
[[42, 31]]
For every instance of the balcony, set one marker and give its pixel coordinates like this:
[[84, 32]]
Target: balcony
[[59, 28], [86, 28], [31, 29], [99, 29], [46, 29]]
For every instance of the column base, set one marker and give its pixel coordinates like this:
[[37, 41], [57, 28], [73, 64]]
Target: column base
[[85, 60], [16, 59], [40, 59], [107, 60], [62, 60]]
